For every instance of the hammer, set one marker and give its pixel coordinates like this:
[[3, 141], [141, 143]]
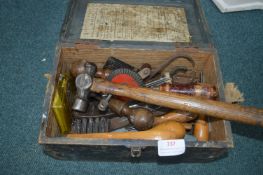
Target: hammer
[[217, 109]]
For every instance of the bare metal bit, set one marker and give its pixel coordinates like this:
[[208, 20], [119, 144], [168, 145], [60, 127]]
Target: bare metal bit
[[158, 82], [104, 103], [90, 125]]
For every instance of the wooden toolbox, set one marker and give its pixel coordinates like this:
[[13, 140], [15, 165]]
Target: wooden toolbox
[[136, 32]]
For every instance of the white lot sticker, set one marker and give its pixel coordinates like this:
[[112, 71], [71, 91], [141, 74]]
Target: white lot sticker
[[171, 147]]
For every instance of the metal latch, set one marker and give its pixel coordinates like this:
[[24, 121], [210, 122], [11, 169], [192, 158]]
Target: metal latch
[[136, 151]]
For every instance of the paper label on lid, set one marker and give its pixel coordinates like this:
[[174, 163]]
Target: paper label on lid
[[171, 147], [135, 23]]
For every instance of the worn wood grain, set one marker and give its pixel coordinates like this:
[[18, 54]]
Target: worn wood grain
[[218, 109]]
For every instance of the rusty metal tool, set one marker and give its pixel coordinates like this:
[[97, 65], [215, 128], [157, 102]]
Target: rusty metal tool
[[169, 61], [182, 75]]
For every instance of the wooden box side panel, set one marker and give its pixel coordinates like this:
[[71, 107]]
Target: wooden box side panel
[[212, 75], [135, 57], [148, 154]]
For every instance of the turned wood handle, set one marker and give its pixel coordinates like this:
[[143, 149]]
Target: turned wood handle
[[233, 112], [173, 116], [201, 130], [120, 122], [164, 131]]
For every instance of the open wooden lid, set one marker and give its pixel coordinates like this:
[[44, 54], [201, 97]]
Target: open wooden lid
[[136, 24]]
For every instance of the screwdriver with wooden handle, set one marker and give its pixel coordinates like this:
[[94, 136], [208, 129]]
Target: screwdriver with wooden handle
[[198, 105]]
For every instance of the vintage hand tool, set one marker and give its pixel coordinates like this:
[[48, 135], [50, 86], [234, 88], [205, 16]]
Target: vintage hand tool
[[182, 117], [170, 60], [90, 125], [201, 130], [78, 67], [93, 120], [218, 109], [145, 71], [104, 103], [181, 75], [118, 122], [164, 131], [157, 82], [178, 116], [126, 76], [113, 63], [83, 82], [199, 89], [103, 73], [121, 76], [190, 87], [60, 104], [140, 118]]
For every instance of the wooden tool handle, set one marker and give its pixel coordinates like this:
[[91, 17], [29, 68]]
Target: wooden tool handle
[[247, 115], [164, 131], [142, 135], [173, 116], [120, 122], [201, 130]]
